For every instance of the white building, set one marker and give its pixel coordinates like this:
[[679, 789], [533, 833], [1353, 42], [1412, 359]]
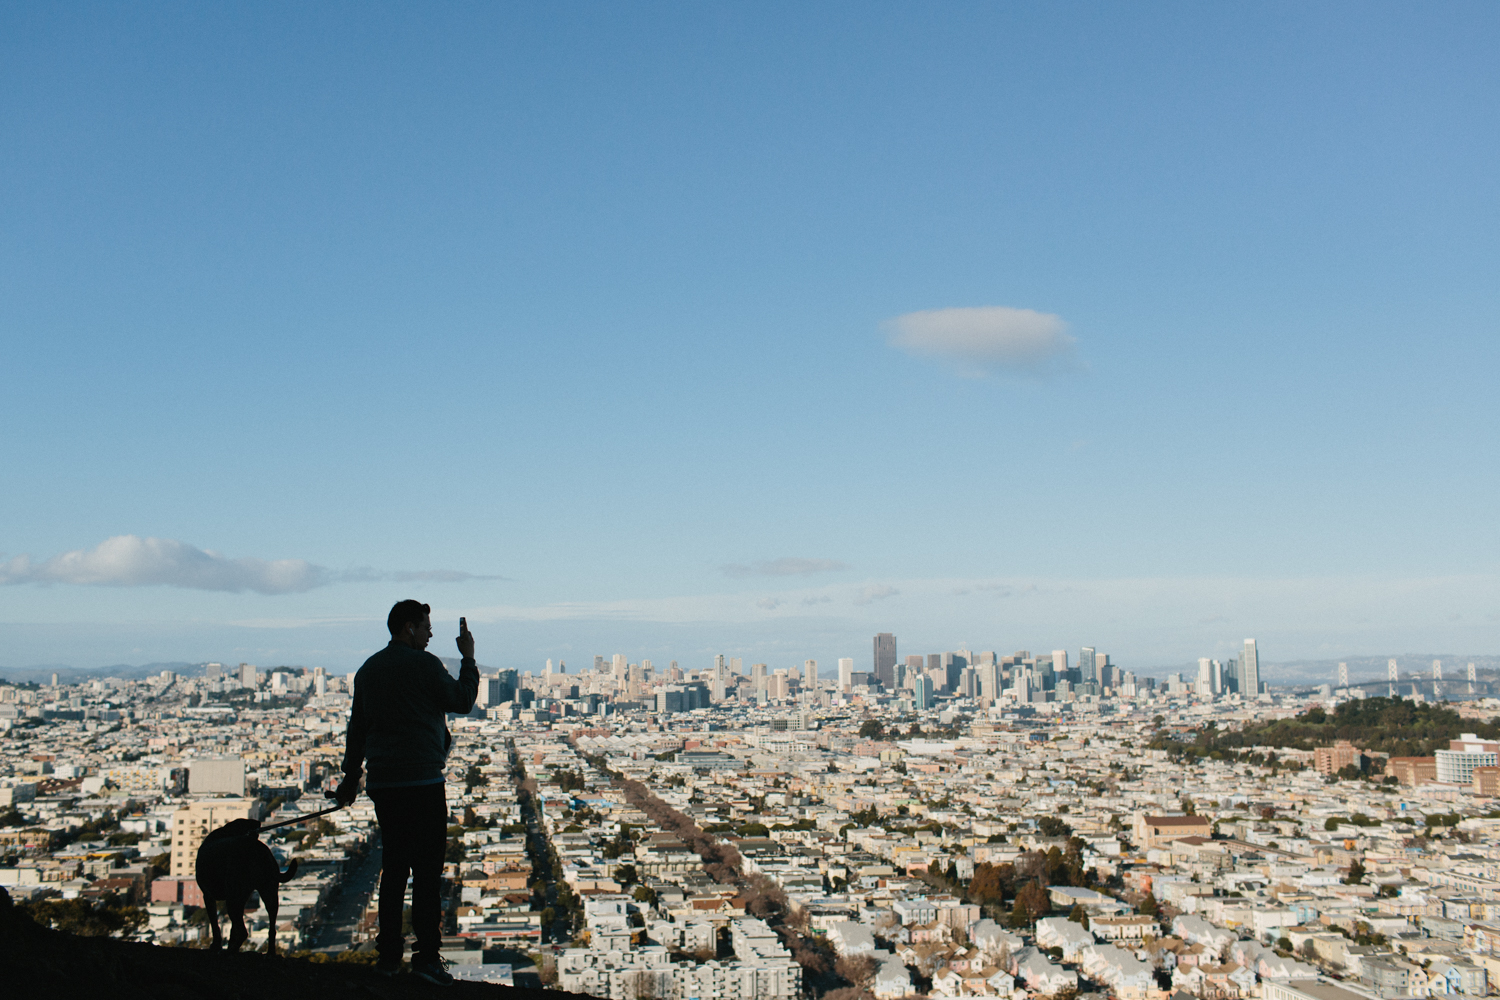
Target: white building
[[1455, 765]]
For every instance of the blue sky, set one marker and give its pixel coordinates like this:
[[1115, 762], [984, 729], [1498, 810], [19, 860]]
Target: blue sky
[[682, 329]]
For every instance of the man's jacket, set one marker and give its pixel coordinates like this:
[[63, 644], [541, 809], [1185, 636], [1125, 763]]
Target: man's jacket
[[398, 723]]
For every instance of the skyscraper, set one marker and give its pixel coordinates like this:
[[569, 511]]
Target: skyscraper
[[885, 659], [846, 672], [1249, 671], [1086, 664], [922, 693], [716, 686], [809, 675]]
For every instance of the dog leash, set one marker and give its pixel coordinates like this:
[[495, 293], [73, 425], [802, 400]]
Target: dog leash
[[302, 819]]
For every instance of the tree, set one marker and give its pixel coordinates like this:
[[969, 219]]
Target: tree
[[86, 918], [1033, 901], [1356, 873], [626, 875], [1079, 915], [871, 729], [1148, 906], [1051, 826]]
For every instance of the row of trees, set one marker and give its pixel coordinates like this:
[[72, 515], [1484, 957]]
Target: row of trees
[[720, 859]]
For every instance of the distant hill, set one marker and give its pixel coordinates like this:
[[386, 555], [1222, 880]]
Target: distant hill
[[75, 675], [1392, 725]]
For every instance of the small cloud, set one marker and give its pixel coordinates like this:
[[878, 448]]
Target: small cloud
[[873, 593], [982, 339], [788, 566], [131, 561], [819, 599], [769, 603]]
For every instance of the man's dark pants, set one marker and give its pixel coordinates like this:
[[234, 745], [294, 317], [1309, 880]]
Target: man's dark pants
[[413, 836]]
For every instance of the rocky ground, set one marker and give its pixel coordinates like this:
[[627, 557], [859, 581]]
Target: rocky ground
[[39, 962]]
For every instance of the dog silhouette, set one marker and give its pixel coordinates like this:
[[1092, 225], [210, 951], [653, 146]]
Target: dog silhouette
[[232, 863]]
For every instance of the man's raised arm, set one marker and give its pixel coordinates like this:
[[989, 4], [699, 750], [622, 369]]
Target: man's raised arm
[[459, 695]]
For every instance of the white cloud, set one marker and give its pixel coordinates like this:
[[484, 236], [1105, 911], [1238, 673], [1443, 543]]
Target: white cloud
[[787, 566], [875, 592], [769, 603], [980, 339], [132, 561]]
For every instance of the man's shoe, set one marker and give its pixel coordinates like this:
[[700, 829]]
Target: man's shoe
[[388, 967], [433, 972]]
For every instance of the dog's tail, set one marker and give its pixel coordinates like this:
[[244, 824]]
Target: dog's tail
[[289, 874]]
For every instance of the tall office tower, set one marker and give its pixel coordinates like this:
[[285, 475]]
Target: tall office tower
[[758, 680], [618, 667], [934, 661], [1221, 684], [736, 666], [1103, 670], [1021, 689], [846, 672], [809, 674], [1393, 674], [1249, 670], [1060, 662], [1205, 677], [968, 683], [885, 659], [953, 665], [916, 662], [1086, 664], [599, 665], [922, 693], [716, 682], [646, 668], [989, 680], [547, 670], [778, 685]]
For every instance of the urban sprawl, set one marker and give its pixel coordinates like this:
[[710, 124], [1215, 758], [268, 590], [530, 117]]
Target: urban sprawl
[[955, 824]]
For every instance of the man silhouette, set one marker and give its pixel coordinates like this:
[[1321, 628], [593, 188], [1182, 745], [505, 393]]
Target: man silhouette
[[401, 697]]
